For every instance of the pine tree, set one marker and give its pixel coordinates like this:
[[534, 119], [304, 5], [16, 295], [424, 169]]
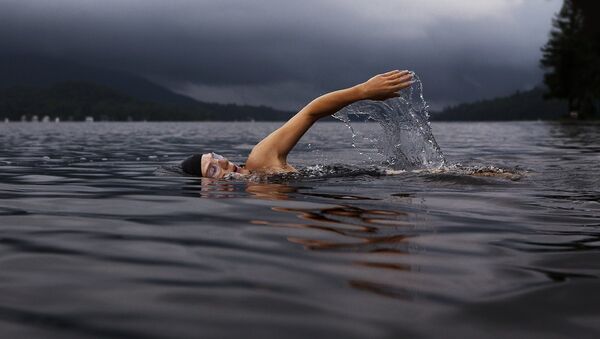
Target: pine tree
[[570, 58]]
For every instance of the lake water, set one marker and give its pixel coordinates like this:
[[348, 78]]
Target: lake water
[[100, 237]]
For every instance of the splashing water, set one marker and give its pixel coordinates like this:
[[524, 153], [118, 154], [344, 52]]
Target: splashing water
[[405, 139]]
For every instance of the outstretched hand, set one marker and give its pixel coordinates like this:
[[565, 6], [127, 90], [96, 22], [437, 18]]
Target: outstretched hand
[[385, 86]]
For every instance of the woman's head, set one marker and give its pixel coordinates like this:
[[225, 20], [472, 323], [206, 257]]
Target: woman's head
[[209, 165]]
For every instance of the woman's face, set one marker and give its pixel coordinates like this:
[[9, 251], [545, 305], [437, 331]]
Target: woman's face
[[216, 166]]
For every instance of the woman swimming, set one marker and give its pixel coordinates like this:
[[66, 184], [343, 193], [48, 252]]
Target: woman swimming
[[270, 155]]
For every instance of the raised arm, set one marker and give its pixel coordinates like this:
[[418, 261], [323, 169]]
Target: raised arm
[[271, 153]]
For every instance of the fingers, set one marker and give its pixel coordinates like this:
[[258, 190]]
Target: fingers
[[385, 86], [390, 73], [395, 80], [401, 82], [395, 73], [401, 85]]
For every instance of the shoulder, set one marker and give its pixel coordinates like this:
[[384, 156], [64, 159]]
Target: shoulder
[[268, 165], [263, 157]]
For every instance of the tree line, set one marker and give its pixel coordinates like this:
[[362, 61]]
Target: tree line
[[571, 64], [571, 58], [78, 100]]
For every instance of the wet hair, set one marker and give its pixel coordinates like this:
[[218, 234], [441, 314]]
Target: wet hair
[[191, 165]]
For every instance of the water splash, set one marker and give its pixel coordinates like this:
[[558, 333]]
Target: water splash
[[405, 139], [455, 172]]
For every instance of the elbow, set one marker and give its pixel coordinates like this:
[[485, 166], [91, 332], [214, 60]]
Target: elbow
[[315, 111]]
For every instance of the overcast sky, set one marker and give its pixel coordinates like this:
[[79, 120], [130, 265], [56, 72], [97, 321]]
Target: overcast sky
[[283, 53]]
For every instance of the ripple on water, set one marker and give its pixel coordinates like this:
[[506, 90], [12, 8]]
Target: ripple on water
[[130, 247]]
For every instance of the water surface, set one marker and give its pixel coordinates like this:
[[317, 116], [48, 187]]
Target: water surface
[[100, 238]]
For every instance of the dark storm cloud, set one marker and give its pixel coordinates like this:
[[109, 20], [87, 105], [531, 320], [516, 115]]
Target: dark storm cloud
[[283, 53]]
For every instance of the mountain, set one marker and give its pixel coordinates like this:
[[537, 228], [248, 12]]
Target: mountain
[[527, 105], [31, 85], [78, 100], [43, 72]]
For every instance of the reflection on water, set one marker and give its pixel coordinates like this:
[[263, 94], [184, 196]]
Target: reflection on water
[[357, 229], [583, 137], [99, 238], [350, 229], [341, 228]]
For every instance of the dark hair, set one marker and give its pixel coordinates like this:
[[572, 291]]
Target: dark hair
[[192, 165]]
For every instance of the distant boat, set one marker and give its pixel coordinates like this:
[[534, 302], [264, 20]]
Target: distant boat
[[23, 118], [89, 119], [46, 119], [34, 118], [57, 119]]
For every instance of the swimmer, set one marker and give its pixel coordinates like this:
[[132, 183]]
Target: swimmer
[[270, 155]]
